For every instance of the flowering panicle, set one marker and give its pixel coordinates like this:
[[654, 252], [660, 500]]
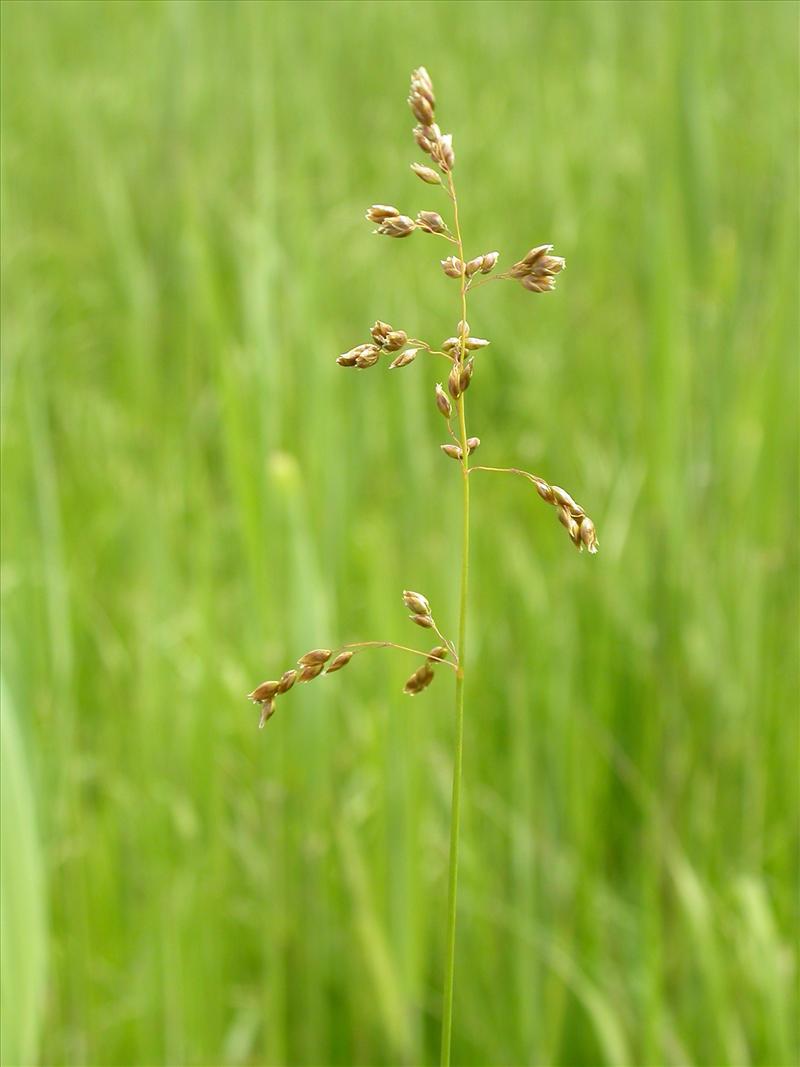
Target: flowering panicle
[[536, 272]]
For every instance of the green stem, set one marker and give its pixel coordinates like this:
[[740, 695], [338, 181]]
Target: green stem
[[455, 809]]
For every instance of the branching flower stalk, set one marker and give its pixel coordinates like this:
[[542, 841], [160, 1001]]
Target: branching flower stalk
[[536, 272]]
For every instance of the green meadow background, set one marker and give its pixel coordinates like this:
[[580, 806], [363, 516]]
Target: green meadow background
[[194, 494]]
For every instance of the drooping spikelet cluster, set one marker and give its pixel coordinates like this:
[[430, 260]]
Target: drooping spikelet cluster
[[570, 514], [384, 339], [323, 661], [309, 667]]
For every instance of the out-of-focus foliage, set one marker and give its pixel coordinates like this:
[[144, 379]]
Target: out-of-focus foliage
[[194, 494]]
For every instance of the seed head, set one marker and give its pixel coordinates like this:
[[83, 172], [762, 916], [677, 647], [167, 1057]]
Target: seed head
[[404, 358], [416, 602], [316, 655], [473, 266], [452, 344], [442, 402], [265, 691], [474, 343], [436, 655], [267, 711], [427, 174], [425, 621], [341, 661], [380, 212], [431, 222], [463, 328], [288, 679], [472, 444], [397, 226], [453, 267], [453, 451]]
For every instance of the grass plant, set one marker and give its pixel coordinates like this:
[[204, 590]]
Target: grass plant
[[194, 491]]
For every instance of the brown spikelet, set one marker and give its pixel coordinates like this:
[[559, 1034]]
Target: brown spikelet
[[288, 679], [419, 680], [267, 711], [380, 212], [453, 267], [368, 356], [454, 383], [404, 358], [537, 270], [397, 226], [427, 174], [443, 402], [316, 655], [416, 602], [265, 691], [311, 671], [431, 222], [339, 662]]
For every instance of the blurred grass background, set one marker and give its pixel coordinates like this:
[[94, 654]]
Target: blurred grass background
[[194, 493]]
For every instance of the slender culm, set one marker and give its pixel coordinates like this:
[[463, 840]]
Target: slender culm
[[536, 272]]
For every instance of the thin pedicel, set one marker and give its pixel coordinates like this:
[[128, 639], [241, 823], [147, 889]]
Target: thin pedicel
[[537, 272]]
